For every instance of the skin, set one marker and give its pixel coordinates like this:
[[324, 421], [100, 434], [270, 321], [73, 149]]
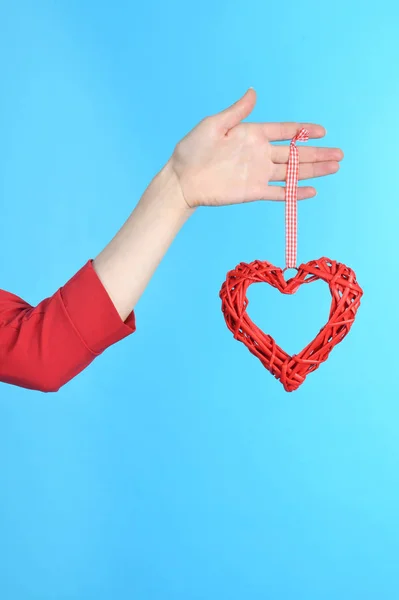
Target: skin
[[222, 161]]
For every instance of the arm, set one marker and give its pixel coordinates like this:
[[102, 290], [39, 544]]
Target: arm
[[221, 161], [127, 263], [44, 347]]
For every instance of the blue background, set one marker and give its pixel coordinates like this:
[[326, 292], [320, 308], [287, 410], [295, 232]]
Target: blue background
[[175, 467]]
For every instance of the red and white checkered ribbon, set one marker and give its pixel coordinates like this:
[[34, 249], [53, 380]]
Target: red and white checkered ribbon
[[291, 196]]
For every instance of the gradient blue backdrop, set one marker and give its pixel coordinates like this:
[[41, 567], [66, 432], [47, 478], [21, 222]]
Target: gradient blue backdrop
[[175, 467]]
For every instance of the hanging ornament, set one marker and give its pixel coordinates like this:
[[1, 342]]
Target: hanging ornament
[[291, 370]]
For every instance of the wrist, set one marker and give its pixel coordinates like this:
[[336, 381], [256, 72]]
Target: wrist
[[165, 192]]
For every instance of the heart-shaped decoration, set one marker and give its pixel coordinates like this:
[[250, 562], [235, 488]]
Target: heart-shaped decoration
[[291, 370]]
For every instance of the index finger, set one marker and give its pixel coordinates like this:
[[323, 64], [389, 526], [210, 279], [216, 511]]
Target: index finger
[[286, 131]]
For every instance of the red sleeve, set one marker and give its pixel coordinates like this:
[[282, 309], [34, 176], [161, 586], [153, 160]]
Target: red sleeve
[[44, 347]]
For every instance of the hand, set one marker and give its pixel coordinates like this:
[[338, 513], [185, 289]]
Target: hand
[[223, 161]]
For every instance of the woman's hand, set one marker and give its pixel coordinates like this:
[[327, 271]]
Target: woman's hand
[[223, 161]]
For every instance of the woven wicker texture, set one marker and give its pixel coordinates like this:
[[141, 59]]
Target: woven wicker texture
[[291, 370]]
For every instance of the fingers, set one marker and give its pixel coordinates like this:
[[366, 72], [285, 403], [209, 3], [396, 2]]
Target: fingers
[[273, 192], [307, 154], [277, 193], [286, 131], [306, 170]]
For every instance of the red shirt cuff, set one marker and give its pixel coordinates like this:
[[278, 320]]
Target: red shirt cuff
[[92, 311]]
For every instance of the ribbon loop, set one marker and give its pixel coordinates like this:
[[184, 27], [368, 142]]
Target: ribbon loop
[[291, 197]]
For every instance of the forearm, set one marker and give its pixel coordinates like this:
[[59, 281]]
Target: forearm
[[127, 263]]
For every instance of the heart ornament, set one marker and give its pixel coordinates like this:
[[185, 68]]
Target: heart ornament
[[345, 297], [291, 370]]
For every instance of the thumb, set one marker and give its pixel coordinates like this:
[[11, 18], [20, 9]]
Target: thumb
[[234, 114]]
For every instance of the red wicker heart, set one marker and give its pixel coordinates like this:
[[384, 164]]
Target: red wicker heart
[[291, 370]]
